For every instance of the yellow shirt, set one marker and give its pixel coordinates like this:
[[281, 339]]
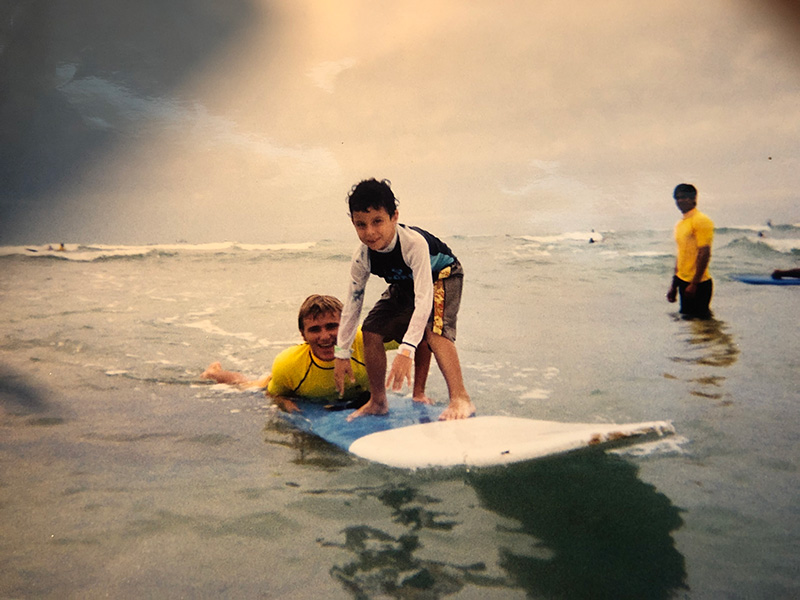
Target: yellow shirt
[[692, 232], [297, 373]]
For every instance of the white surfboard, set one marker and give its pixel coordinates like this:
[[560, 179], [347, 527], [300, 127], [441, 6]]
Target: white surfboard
[[493, 440], [411, 437]]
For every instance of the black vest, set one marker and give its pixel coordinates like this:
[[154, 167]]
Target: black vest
[[391, 266]]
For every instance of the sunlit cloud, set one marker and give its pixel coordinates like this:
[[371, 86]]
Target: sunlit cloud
[[550, 110], [324, 74]]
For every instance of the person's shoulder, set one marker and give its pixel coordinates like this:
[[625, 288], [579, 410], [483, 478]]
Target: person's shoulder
[[415, 230], [360, 254], [360, 263], [414, 234], [290, 356], [703, 218]]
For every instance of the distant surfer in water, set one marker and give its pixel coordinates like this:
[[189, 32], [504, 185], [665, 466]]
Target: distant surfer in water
[[50, 248], [306, 370], [693, 236], [778, 274]]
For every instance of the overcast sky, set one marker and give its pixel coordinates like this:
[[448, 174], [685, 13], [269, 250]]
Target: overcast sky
[[249, 121]]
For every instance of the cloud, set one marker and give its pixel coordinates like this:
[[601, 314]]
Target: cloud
[[545, 176], [324, 74], [475, 110], [109, 105]]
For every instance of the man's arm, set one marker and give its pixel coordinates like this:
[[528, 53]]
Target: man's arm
[[284, 403], [703, 258], [672, 293]]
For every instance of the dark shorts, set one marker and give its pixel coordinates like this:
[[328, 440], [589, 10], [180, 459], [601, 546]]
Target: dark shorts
[[392, 313], [698, 306]]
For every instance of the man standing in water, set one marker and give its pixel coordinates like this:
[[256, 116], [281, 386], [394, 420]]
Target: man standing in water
[[693, 235]]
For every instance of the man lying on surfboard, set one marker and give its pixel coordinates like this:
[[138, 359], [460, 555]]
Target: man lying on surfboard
[[306, 370]]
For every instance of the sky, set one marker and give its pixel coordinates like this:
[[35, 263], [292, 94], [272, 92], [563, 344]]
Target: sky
[[249, 121]]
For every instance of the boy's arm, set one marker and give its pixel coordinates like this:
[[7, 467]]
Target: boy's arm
[[351, 311], [417, 256]]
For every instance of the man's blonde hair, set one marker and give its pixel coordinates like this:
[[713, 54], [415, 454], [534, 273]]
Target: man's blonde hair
[[316, 305]]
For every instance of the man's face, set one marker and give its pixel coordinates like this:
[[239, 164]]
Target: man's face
[[685, 204], [320, 333], [375, 228]]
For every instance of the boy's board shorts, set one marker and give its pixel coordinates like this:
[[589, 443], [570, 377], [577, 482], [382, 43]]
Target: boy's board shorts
[[392, 313]]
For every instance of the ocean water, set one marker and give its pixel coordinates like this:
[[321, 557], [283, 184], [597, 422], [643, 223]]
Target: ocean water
[[124, 475]]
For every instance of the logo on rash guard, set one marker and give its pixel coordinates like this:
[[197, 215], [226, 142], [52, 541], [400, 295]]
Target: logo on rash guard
[[399, 275]]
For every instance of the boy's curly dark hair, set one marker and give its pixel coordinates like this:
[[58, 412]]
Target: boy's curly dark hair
[[372, 194]]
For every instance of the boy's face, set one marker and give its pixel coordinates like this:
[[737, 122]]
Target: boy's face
[[320, 333], [375, 228]]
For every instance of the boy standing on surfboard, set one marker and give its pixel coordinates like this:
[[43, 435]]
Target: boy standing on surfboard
[[418, 310]]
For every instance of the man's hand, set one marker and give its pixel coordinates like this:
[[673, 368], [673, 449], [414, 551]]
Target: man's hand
[[672, 294], [285, 404], [402, 367], [342, 373]]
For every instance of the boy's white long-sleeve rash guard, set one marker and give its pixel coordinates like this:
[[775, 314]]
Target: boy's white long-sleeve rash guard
[[416, 254]]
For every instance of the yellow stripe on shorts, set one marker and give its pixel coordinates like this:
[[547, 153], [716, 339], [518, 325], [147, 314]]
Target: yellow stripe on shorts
[[438, 301]]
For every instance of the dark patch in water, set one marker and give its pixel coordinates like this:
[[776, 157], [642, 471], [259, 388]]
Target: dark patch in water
[[211, 439], [45, 421]]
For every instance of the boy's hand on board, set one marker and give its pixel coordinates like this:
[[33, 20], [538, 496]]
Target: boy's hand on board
[[342, 373], [402, 368]]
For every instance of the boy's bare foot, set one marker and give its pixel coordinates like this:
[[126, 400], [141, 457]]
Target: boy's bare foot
[[459, 408], [370, 408], [424, 399]]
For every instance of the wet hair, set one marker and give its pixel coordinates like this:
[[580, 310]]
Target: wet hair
[[684, 190], [372, 194], [316, 305]]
